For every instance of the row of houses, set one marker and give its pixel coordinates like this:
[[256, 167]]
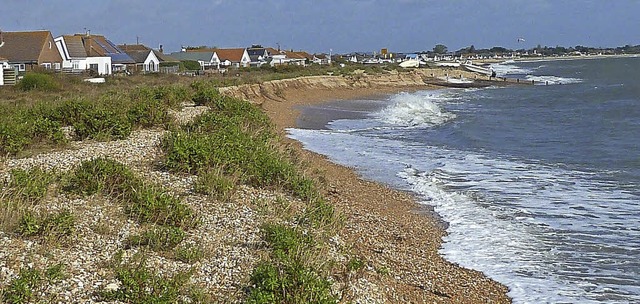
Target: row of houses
[[25, 51]]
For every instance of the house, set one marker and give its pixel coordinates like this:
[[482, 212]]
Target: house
[[298, 58], [321, 59], [258, 55], [2, 62], [145, 58], [99, 46], [76, 58], [207, 60], [26, 51], [235, 58]]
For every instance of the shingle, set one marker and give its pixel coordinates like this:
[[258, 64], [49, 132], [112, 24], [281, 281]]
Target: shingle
[[23, 46]]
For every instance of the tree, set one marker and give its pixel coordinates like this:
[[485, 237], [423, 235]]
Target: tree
[[440, 49]]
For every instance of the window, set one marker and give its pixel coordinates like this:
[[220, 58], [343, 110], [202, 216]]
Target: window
[[47, 65], [49, 44], [56, 65], [76, 65], [20, 67]]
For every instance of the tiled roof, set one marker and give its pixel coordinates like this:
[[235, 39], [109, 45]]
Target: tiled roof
[[298, 55], [134, 47], [23, 46], [98, 45], [233, 55], [197, 56], [138, 56], [272, 51], [75, 46], [166, 58]]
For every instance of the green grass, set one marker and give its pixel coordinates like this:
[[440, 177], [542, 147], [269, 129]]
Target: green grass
[[189, 253], [52, 226], [30, 185]]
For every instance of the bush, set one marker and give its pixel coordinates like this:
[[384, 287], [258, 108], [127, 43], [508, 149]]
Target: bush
[[38, 81], [191, 65], [100, 175], [213, 182]]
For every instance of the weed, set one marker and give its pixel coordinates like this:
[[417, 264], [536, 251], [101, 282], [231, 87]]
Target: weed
[[189, 253], [213, 182], [355, 264], [139, 284], [53, 226], [24, 287], [149, 204], [159, 238], [100, 175], [31, 185]]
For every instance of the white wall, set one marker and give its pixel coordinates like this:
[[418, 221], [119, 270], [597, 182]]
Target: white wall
[[104, 64], [1, 75], [152, 59]]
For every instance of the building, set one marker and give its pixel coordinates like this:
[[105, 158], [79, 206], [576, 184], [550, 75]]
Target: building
[[76, 59], [26, 51], [99, 46], [149, 60]]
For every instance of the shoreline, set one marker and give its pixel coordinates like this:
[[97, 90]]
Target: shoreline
[[387, 228]]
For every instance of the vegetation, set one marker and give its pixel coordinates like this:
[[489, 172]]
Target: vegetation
[[38, 81], [24, 288], [232, 144]]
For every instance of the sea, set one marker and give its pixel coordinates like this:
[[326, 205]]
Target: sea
[[539, 185]]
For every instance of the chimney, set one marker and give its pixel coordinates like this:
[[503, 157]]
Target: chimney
[[161, 50]]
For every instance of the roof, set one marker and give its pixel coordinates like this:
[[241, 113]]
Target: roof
[[272, 51], [233, 55], [133, 47], [23, 46], [75, 46], [165, 58], [3, 59], [197, 56], [98, 45], [256, 51], [298, 55], [139, 56]]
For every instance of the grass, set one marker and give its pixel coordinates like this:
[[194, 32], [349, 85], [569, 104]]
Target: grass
[[52, 226]]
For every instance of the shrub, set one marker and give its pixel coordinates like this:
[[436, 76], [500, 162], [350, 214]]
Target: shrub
[[38, 81], [13, 136], [149, 204], [190, 65], [100, 175]]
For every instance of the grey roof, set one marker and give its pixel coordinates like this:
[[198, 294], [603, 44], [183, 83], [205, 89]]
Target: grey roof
[[196, 56], [138, 56]]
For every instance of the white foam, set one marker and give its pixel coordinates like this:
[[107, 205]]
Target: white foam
[[416, 109], [552, 80], [504, 69]]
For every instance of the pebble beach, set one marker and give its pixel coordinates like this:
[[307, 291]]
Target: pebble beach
[[385, 228]]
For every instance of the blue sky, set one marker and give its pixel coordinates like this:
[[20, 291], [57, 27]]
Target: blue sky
[[340, 25]]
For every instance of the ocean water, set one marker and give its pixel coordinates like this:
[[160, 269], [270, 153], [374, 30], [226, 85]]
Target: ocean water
[[539, 185]]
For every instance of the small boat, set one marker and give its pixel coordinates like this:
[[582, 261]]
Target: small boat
[[411, 63], [469, 66]]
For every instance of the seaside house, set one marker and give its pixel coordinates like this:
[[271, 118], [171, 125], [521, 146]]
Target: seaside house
[[2, 62], [321, 59], [76, 59], [234, 58], [146, 60], [258, 55], [166, 63], [99, 46], [207, 60], [26, 51]]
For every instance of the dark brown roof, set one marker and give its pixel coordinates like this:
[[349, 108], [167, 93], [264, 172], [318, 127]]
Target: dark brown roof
[[23, 46], [298, 55], [138, 56]]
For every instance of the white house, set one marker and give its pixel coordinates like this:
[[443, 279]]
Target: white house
[[146, 61], [75, 58], [236, 58]]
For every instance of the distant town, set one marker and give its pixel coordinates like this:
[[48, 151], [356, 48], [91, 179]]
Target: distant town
[[97, 55]]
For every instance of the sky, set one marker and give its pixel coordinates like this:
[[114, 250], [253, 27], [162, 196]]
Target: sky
[[337, 26]]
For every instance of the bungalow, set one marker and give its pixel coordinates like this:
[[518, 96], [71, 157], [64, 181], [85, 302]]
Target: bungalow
[[26, 51], [146, 60], [234, 58], [99, 46], [207, 60], [76, 58], [321, 59], [298, 58], [258, 55]]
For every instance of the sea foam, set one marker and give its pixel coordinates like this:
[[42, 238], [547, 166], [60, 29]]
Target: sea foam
[[416, 110]]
